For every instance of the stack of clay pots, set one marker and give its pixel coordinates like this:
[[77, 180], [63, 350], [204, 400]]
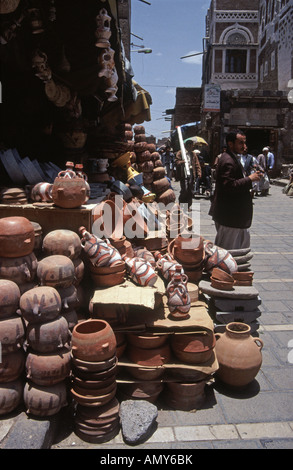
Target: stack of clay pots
[[94, 368], [195, 349], [65, 243], [150, 352], [18, 262], [13, 196], [188, 250], [149, 164], [48, 357], [12, 337]]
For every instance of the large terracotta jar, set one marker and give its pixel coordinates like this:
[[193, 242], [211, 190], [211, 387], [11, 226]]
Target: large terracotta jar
[[10, 396], [48, 369], [62, 242], [56, 271], [239, 355], [9, 298], [93, 340], [44, 400], [40, 304], [69, 193], [17, 237]]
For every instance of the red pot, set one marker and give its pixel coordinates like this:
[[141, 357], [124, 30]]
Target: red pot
[[12, 334], [62, 242], [48, 337], [40, 304], [195, 348], [17, 237], [12, 366], [149, 357], [9, 298], [48, 369], [10, 396], [147, 341], [56, 271], [93, 340], [44, 400]]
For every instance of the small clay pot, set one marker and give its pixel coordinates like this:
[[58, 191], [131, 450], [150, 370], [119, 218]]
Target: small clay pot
[[221, 285], [149, 357], [44, 400], [92, 366], [99, 415], [193, 348], [98, 400], [93, 340], [108, 280], [105, 270], [69, 193], [147, 341], [9, 298], [221, 275], [166, 197], [17, 237], [243, 275], [91, 384], [56, 271], [40, 304], [62, 242], [146, 373], [48, 369], [12, 366], [12, 334], [94, 392], [10, 396], [185, 397]]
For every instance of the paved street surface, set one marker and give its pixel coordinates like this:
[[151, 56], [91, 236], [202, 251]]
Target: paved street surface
[[261, 417]]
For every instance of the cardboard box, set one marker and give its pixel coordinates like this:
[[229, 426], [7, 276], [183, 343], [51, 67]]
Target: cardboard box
[[51, 217]]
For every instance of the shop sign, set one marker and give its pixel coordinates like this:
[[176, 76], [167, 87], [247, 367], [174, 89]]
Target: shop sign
[[212, 98]]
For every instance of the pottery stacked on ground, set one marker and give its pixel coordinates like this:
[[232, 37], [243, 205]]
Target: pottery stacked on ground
[[188, 250], [93, 388], [12, 337], [48, 358], [149, 164], [18, 261], [65, 245], [150, 352]]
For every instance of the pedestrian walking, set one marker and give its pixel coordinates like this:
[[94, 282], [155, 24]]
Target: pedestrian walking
[[168, 158], [187, 182], [231, 207]]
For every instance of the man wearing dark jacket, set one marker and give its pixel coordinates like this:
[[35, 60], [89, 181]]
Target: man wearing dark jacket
[[231, 208]]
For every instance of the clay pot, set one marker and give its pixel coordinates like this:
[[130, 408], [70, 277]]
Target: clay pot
[[99, 252], [239, 355], [177, 294], [149, 357], [79, 269], [44, 400], [147, 341], [95, 392], [221, 285], [56, 271], [243, 278], [100, 415], [160, 186], [9, 298], [69, 193], [17, 237], [12, 334], [40, 304], [12, 366], [218, 257], [148, 391], [19, 270], [42, 192], [140, 271], [166, 197], [48, 337], [91, 400], [48, 369], [146, 373], [159, 173], [108, 280], [195, 348], [95, 367], [93, 340], [194, 275], [187, 251], [185, 396], [10, 396], [62, 242], [69, 297], [105, 270], [221, 275], [91, 384]]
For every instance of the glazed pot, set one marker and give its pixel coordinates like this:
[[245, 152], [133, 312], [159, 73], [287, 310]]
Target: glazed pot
[[40, 304], [239, 355], [69, 193], [19, 270], [48, 337], [62, 242], [147, 341], [9, 298], [10, 396], [193, 348], [93, 340], [17, 237], [44, 400], [48, 369], [142, 252], [56, 271], [12, 334], [12, 366], [149, 357]]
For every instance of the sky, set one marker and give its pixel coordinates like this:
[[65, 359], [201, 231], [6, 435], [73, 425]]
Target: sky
[[172, 29]]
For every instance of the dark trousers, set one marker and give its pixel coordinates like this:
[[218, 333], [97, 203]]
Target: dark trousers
[[186, 188]]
